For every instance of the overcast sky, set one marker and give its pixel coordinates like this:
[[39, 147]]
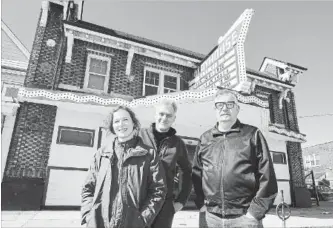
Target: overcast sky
[[296, 32]]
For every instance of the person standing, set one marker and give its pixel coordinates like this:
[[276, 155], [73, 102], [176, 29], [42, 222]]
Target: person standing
[[172, 151], [233, 174], [125, 185]]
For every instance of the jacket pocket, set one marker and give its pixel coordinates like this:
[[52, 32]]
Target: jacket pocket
[[134, 218], [94, 217]]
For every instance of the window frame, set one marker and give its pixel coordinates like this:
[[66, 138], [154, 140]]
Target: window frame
[[284, 157], [162, 74], [61, 128], [87, 73]]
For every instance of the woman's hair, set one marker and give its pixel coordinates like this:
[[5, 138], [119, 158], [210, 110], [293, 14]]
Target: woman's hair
[[136, 123]]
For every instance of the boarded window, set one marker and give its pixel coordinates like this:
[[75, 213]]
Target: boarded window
[[279, 158], [75, 136]]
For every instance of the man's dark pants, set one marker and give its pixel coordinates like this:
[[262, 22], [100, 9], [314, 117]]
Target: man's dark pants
[[165, 216]]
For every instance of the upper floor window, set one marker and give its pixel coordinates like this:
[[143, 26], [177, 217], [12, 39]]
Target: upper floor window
[[159, 82], [279, 157], [97, 73]]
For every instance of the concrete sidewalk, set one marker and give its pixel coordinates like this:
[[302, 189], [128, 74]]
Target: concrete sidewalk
[[309, 217]]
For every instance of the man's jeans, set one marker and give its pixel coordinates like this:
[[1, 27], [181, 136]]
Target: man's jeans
[[209, 220]]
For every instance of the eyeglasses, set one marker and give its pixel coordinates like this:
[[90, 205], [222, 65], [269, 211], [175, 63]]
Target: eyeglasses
[[220, 105]]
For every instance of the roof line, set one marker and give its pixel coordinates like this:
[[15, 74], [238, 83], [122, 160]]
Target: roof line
[[318, 144], [134, 38], [14, 38], [289, 64]]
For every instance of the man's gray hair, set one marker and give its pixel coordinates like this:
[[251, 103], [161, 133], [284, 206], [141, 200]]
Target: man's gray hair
[[221, 92], [167, 102]]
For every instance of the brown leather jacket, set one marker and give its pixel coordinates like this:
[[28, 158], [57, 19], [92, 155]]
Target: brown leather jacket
[[143, 187]]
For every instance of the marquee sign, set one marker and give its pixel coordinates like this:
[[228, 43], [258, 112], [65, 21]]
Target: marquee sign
[[225, 66]]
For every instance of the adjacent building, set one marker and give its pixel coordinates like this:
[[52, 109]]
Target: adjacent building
[[319, 159]]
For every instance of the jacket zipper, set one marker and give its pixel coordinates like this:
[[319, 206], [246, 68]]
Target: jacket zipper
[[222, 190]]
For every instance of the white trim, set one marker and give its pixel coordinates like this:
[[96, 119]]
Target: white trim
[[107, 76], [38, 95], [129, 61], [70, 87], [149, 50], [162, 74], [8, 108], [16, 41], [92, 51], [45, 11], [16, 72], [274, 63], [14, 64], [269, 81], [70, 43]]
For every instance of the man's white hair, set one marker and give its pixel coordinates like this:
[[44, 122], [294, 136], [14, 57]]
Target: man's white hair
[[221, 92], [169, 103]]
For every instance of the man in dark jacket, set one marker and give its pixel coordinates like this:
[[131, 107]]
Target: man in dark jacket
[[233, 174], [172, 151]]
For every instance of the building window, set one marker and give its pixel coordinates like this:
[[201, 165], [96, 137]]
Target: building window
[[75, 136], [97, 73], [279, 157], [311, 161], [159, 82]]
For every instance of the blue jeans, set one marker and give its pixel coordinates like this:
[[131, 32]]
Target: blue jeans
[[209, 220]]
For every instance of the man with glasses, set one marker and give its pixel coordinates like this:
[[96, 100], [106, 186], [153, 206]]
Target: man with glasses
[[232, 172], [172, 151]]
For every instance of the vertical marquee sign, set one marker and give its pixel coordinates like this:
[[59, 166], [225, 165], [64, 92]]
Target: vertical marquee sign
[[225, 66]]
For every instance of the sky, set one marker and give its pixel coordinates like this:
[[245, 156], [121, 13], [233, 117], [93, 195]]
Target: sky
[[297, 32]]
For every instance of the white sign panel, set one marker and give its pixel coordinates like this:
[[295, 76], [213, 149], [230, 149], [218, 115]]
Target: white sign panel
[[225, 66]]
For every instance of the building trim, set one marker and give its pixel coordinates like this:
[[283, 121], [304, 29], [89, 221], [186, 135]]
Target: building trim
[[46, 96], [12, 64], [123, 44], [289, 135]]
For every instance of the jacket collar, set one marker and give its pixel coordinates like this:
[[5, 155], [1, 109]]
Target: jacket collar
[[133, 147], [235, 128], [170, 133]]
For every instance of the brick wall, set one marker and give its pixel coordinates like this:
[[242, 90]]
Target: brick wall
[[276, 114], [296, 164], [73, 73], [43, 60], [30, 146]]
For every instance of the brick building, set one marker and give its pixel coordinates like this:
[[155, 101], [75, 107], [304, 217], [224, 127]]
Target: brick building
[[78, 71], [319, 158]]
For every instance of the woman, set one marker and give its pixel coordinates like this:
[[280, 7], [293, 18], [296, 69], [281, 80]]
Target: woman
[[125, 186]]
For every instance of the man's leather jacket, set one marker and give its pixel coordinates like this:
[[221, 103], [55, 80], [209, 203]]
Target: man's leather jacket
[[233, 172]]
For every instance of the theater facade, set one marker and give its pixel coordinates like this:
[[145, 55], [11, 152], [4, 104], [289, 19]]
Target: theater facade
[[79, 71]]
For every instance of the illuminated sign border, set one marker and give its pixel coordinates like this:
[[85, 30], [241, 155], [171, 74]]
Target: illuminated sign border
[[211, 64]]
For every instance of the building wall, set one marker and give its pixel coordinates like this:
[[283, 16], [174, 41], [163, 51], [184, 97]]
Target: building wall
[[76, 156], [73, 73], [29, 150]]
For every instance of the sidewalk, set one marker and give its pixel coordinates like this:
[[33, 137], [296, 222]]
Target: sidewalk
[[306, 217]]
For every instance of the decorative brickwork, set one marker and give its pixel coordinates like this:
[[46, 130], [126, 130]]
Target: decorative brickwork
[[30, 146], [290, 110], [44, 59], [276, 114], [296, 164]]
